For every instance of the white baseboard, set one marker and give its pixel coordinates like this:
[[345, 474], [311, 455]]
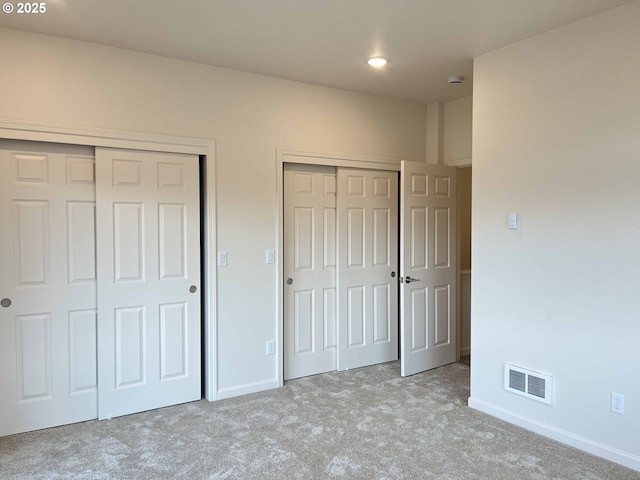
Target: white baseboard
[[245, 389], [465, 351], [582, 443]]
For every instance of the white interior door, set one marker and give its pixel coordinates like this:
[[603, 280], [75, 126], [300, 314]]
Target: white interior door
[[148, 232], [428, 257], [309, 270], [48, 286], [367, 267]]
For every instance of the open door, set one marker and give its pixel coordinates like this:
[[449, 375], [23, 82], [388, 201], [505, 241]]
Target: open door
[[428, 262]]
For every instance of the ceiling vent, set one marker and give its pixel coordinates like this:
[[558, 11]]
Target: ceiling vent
[[528, 383]]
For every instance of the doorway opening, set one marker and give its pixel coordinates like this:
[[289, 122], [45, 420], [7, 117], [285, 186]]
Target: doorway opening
[[464, 246]]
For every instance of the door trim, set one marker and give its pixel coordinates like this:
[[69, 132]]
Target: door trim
[[284, 155], [205, 147]]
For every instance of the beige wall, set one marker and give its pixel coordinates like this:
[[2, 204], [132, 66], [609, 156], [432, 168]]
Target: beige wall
[[457, 120], [434, 133], [448, 132], [52, 80], [556, 138]]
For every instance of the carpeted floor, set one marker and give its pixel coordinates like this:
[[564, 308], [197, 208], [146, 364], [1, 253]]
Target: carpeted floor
[[368, 423]]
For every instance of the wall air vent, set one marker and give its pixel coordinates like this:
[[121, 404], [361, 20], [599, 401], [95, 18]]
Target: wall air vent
[[528, 383]]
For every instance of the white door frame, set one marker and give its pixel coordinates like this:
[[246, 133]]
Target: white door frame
[[38, 132], [309, 158]]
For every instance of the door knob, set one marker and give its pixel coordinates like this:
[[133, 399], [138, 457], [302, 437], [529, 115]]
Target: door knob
[[193, 289], [393, 274], [289, 281], [408, 279], [5, 302]]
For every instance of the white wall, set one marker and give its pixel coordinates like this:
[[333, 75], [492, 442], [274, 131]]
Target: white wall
[[448, 132], [434, 133], [557, 139], [457, 120], [52, 80]]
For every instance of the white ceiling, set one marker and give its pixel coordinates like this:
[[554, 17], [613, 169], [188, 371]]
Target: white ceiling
[[324, 42]]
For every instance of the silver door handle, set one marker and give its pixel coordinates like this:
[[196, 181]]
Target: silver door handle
[[408, 279], [193, 289], [5, 302], [289, 281]]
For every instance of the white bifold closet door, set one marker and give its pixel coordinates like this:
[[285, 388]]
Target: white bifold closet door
[[428, 257], [47, 286], [367, 267], [148, 259], [310, 337]]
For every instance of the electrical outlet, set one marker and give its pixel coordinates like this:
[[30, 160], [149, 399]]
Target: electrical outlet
[[271, 347], [617, 403]]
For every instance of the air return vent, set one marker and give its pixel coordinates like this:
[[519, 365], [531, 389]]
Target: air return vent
[[528, 383]]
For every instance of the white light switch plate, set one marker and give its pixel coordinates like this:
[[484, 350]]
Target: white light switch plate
[[512, 220], [271, 347], [270, 256], [222, 259]]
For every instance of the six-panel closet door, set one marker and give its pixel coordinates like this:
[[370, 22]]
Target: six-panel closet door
[[47, 286], [148, 263], [85, 335], [340, 268], [367, 267], [310, 329]]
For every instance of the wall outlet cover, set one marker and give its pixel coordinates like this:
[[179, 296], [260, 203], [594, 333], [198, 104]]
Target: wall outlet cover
[[617, 403]]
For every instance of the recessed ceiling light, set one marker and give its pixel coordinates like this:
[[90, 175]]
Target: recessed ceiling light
[[377, 61]]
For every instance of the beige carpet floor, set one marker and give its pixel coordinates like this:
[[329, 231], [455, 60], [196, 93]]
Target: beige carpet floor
[[368, 423]]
